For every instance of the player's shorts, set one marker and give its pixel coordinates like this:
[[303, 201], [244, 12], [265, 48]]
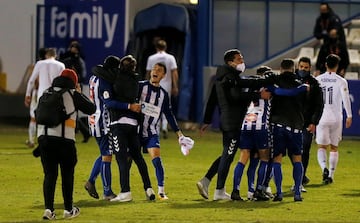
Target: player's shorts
[[150, 142], [285, 138], [105, 145], [328, 133], [254, 139]]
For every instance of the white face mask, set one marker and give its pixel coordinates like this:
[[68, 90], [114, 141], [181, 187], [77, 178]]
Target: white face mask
[[240, 67]]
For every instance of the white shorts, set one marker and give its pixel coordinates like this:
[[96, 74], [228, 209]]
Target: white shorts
[[329, 133]]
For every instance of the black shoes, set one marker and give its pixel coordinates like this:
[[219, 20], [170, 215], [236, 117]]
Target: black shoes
[[235, 195]]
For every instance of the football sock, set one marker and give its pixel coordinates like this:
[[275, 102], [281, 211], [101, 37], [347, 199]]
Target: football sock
[[333, 161], [321, 155], [32, 131], [251, 173], [106, 177], [159, 170], [278, 177], [297, 175], [95, 170], [213, 169], [269, 173], [238, 172], [261, 174]]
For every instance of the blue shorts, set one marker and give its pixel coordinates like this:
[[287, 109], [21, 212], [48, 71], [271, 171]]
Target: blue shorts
[[105, 145], [150, 142], [254, 139], [285, 138]]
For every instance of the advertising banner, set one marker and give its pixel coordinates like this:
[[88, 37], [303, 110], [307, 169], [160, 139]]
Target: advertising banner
[[98, 25]]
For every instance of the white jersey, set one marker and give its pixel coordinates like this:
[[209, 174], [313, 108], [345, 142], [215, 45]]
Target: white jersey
[[46, 70], [336, 97], [170, 63]]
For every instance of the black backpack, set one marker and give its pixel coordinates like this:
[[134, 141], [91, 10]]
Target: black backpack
[[51, 111]]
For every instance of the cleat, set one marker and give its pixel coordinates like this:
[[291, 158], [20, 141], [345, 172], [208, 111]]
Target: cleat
[[329, 180], [268, 192], [150, 194], [29, 144], [163, 197], [298, 198], [109, 197], [325, 175], [306, 180], [220, 194], [235, 195], [75, 211], [203, 187], [260, 195], [278, 197], [91, 190], [250, 196], [302, 188], [49, 215], [123, 197]]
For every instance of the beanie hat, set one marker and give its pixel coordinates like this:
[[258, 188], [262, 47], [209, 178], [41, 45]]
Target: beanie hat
[[70, 74], [111, 62]]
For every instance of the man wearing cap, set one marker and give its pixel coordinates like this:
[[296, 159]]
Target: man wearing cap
[[57, 146]]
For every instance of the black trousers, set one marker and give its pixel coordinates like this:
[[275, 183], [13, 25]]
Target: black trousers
[[55, 152], [307, 140], [230, 146], [126, 146]]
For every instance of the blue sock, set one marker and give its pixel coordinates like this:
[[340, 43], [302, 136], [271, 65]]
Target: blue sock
[[297, 175], [159, 170], [238, 172], [106, 177], [278, 178], [95, 170], [251, 173], [261, 175]]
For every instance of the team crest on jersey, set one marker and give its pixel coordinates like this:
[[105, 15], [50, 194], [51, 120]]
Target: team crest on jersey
[[106, 95]]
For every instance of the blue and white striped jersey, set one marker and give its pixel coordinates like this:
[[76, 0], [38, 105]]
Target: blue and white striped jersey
[[257, 115], [99, 121], [155, 101]]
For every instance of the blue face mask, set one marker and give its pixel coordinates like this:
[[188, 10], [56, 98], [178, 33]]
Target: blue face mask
[[303, 73]]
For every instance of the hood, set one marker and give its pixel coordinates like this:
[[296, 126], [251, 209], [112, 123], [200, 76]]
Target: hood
[[224, 70], [63, 82], [106, 74]]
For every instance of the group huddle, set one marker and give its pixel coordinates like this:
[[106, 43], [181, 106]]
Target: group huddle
[[269, 116]]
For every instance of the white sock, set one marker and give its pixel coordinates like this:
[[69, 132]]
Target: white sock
[[321, 155], [32, 131], [161, 190], [333, 161]]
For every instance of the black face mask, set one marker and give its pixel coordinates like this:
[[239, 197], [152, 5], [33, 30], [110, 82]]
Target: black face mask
[[303, 73], [325, 15]]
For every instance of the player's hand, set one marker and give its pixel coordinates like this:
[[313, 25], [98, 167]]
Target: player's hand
[[311, 128], [348, 122], [27, 101], [135, 107], [264, 94]]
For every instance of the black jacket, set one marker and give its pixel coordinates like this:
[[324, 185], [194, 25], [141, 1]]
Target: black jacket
[[314, 102], [288, 110], [228, 93]]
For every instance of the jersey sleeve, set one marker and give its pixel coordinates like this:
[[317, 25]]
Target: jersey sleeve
[[346, 98], [107, 96]]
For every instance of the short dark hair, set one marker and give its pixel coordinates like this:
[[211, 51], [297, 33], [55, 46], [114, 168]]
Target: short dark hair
[[127, 63], [287, 64], [161, 44], [332, 61], [305, 60], [162, 65], [229, 55], [111, 62], [42, 53]]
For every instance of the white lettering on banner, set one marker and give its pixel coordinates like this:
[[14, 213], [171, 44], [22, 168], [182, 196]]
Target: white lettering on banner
[[83, 21]]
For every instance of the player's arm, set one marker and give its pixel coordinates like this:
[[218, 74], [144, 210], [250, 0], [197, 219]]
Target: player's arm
[[346, 102], [167, 110], [31, 84], [175, 80]]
